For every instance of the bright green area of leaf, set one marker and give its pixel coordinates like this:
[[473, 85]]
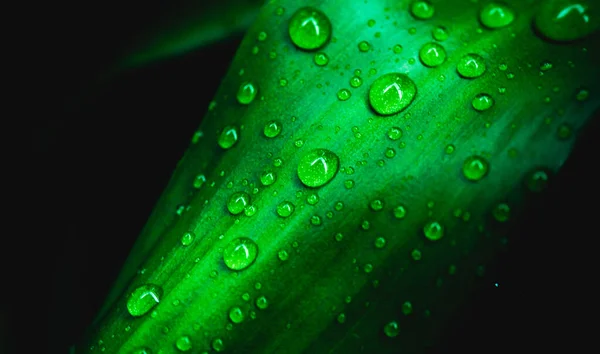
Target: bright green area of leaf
[[325, 275]]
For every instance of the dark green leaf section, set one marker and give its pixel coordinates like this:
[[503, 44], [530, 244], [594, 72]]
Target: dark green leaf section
[[322, 277]]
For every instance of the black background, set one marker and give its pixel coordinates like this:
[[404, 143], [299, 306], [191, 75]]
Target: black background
[[100, 167]]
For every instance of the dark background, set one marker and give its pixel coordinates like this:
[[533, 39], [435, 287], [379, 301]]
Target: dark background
[[101, 161]]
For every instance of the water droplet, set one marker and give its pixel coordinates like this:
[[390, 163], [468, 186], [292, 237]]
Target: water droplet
[[318, 167], [400, 212], [394, 133], [582, 95], [545, 66], [422, 10], [537, 180], [312, 199], [309, 28], [380, 242], [315, 220], [236, 315], [321, 59], [416, 254], [262, 36], [407, 308], [268, 177], [376, 205], [567, 20], [240, 253], [344, 94], [262, 302], [355, 81], [250, 210], [440, 33], [501, 212], [496, 15], [339, 206], [272, 129], [283, 255], [228, 137], [390, 152], [449, 149], [392, 93], [247, 92], [217, 345], [187, 238], [433, 230], [475, 168], [432, 54], [237, 202], [397, 49], [391, 329], [368, 268], [143, 299], [471, 66], [285, 209], [482, 102], [341, 318], [364, 46], [183, 343], [564, 131]]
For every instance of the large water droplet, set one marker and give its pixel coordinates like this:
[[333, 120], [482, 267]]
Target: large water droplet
[[309, 28], [432, 54], [422, 9], [272, 129], [240, 253], [318, 167], [228, 137], [471, 66], [567, 20], [496, 15], [247, 92], [475, 168], [143, 299], [391, 93]]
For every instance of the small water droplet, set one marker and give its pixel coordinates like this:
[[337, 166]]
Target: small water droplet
[[391, 329], [247, 92], [475, 168], [400, 212], [285, 209], [364, 46], [482, 102], [501, 212], [187, 238], [380, 242], [143, 299], [183, 343], [217, 345], [228, 137], [407, 308], [237, 202], [440, 33], [272, 129], [537, 180], [236, 315], [376, 205], [262, 302], [433, 230]]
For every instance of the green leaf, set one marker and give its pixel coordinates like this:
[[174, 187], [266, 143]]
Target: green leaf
[[370, 189]]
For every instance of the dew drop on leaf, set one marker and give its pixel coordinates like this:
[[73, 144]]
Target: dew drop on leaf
[[567, 20], [240, 253], [475, 168], [392, 93], [237, 202], [143, 299], [309, 28], [422, 9], [432, 54], [433, 230], [318, 167], [268, 177], [471, 66], [183, 344], [262, 302], [236, 315], [440, 33], [285, 209], [537, 180], [496, 15], [482, 102], [228, 137], [394, 133], [391, 329], [501, 212], [321, 59], [247, 92], [187, 238], [272, 129], [400, 212], [217, 345], [344, 94]]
